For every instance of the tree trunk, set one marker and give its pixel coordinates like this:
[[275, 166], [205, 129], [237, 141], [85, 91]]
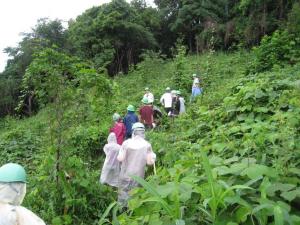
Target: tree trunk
[[264, 20]]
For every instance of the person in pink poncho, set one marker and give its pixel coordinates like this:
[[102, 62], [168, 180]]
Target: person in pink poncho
[[119, 128]]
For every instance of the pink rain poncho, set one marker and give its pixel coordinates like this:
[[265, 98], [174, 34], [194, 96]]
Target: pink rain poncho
[[120, 131], [11, 213], [111, 167], [135, 154]]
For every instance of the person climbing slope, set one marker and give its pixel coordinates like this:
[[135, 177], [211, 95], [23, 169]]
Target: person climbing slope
[[129, 120], [196, 89], [12, 193], [134, 155], [111, 167], [175, 103], [118, 128], [146, 114], [166, 100], [149, 95], [181, 102]]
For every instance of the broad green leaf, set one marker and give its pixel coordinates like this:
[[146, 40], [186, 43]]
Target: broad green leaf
[[256, 170], [291, 195], [166, 189], [242, 214], [157, 196], [278, 215], [279, 187]]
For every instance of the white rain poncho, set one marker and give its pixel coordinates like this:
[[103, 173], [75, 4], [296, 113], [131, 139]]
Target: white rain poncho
[[135, 154], [111, 167], [182, 105], [11, 213]]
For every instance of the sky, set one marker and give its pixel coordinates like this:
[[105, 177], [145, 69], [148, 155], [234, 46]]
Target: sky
[[18, 16]]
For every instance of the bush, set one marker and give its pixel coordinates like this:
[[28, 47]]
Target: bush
[[279, 49]]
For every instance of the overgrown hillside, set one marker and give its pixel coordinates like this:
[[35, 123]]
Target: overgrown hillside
[[232, 159]]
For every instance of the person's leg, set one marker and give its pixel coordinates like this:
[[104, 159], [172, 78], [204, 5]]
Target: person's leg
[[125, 186], [193, 95]]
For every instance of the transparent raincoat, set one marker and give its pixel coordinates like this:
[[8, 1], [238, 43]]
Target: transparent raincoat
[[11, 213], [135, 154], [111, 167]]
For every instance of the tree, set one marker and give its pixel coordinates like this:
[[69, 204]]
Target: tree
[[111, 35], [45, 34]]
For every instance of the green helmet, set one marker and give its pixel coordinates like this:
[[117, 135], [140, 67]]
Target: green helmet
[[145, 100], [173, 92], [146, 89], [131, 108], [116, 117], [178, 92], [12, 172], [194, 75], [168, 89], [138, 126]]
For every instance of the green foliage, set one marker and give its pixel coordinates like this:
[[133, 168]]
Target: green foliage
[[247, 177], [115, 38], [293, 23], [276, 50], [181, 80], [46, 33], [232, 159]]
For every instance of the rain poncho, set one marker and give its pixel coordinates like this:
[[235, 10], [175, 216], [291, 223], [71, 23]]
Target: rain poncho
[[111, 166], [120, 131], [11, 213], [135, 154], [182, 105]]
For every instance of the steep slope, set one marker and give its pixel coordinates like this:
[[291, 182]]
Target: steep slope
[[232, 159]]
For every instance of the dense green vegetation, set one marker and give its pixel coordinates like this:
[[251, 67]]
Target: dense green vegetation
[[233, 158], [112, 37]]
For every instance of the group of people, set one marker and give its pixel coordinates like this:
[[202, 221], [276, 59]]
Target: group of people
[[127, 152], [124, 161]]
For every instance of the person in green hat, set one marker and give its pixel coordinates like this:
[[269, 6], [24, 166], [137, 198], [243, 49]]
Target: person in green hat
[[149, 95], [129, 120], [146, 114], [12, 193]]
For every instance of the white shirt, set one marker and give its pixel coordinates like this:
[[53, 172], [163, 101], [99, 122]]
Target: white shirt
[[150, 97], [196, 82], [182, 106], [166, 100]]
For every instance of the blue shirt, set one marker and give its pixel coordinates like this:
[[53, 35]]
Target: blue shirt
[[129, 120]]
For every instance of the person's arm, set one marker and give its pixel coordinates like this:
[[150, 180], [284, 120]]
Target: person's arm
[[151, 156], [162, 99], [123, 130], [105, 149], [152, 118], [122, 153]]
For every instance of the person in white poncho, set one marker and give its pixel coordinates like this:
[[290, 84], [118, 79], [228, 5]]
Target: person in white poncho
[[12, 193], [134, 155], [111, 167]]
